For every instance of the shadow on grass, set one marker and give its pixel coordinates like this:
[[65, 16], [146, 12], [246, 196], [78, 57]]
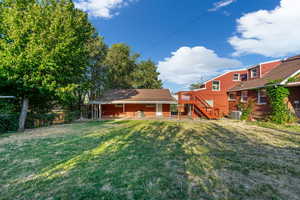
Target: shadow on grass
[[164, 160]]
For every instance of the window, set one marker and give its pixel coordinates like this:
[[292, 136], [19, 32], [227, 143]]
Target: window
[[244, 96], [231, 97], [297, 105], [150, 106], [216, 85], [236, 77], [210, 102], [243, 77], [261, 96], [254, 73], [119, 106]]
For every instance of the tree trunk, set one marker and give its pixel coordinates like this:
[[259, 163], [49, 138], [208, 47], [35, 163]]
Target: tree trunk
[[23, 115]]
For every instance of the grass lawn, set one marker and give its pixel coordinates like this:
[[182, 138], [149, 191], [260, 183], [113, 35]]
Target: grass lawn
[[152, 160]]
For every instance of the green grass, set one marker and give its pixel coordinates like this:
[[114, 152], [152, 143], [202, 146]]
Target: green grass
[[119, 160]]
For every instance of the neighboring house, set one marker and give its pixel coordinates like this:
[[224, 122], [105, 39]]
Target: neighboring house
[[212, 99], [133, 103], [287, 73]]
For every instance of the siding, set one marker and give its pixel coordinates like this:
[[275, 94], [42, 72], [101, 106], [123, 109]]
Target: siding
[[220, 98], [109, 110]]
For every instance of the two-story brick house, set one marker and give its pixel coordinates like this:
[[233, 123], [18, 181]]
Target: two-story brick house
[[286, 73], [221, 95]]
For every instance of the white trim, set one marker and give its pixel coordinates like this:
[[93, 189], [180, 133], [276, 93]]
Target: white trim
[[225, 73], [286, 80], [251, 74], [272, 61], [133, 102], [159, 110], [293, 84], [242, 99], [239, 78], [229, 96], [260, 75], [212, 86]]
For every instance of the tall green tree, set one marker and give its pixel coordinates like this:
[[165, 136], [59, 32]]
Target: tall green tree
[[146, 76], [97, 73], [43, 48], [120, 63]]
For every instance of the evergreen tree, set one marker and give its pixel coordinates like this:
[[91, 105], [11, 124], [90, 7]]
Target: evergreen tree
[[120, 64], [146, 76]]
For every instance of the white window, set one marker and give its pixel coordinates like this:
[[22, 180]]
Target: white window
[[236, 77], [254, 73], [231, 97], [216, 85], [244, 96], [297, 105], [210, 102], [261, 96]]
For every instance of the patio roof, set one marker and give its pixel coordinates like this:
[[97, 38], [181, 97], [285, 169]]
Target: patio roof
[[136, 96]]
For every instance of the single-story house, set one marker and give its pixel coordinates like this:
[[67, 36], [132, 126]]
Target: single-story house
[[133, 103]]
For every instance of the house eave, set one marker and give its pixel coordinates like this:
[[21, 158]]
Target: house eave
[[132, 102]]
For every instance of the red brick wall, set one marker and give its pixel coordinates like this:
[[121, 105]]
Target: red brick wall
[[220, 98], [259, 110], [132, 109], [111, 110]]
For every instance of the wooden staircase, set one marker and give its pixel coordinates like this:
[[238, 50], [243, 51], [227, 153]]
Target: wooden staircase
[[200, 108]]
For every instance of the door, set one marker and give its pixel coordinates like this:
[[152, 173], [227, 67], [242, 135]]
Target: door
[[159, 110]]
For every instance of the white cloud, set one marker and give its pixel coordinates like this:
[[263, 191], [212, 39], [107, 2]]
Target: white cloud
[[188, 65], [101, 8], [272, 33], [220, 4]]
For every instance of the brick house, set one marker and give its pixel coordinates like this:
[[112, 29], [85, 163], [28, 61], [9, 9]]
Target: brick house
[[254, 88], [221, 95], [133, 103]]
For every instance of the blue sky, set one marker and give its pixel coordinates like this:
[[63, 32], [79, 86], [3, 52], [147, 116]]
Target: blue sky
[[193, 40]]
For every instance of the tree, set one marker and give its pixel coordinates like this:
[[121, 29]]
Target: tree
[[43, 48], [97, 73], [146, 76], [195, 86], [120, 64]]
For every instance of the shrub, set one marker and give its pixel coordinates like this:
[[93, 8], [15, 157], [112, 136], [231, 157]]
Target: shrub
[[40, 120], [71, 116], [8, 122], [280, 112], [247, 109]]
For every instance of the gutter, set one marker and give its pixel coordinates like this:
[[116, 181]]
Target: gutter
[[133, 102]]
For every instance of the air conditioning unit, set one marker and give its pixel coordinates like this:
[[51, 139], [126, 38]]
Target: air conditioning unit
[[236, 115]]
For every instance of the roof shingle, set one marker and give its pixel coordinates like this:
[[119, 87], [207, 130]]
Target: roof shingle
[[134, 95], [281, 72]]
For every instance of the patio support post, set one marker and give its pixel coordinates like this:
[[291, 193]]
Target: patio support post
[[100, 111]]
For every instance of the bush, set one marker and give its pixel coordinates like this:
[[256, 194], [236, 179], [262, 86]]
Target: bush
[[280, 112], [71, 116], [40, 120], [247, 109], [8, 122]]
